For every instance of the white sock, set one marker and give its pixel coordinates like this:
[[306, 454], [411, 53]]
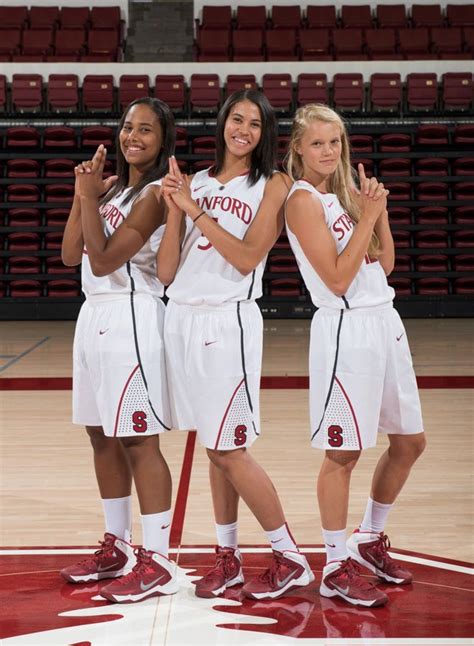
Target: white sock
[[227, 535], [118, 517], [156, 531], [335, 543], [281, 539], [375, 517]]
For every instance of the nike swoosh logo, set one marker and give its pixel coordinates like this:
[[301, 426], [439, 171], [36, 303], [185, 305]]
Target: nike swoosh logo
[[399, 337], [103, 331], [329, 545], [341, 590], [146, 586], [281, 584], [329, 205], [165, 526], [280, 539], [209, 342], [198, 188], [107, 567], [375, 561]]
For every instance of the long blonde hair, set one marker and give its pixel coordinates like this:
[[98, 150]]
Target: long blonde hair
[[341, 182]]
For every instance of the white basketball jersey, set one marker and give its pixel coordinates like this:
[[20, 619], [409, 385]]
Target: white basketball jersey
[[204, 277], [139, 274], [369, 286]]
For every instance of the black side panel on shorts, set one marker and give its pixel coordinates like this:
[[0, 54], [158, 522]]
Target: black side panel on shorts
[[242, 354]]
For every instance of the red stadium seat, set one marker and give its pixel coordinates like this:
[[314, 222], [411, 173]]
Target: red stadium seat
[[106, 18], [213, 45], [463, 262], [23, 193], [282, 264], [321, 16], [463, 166], [56, 217], [422, 91], [74, 17], [348, 92], [312, 88], [432, 215], [432, 191], [12, 17], [315, 45], [395, 166], [103, 44], [361, 143], [381, 45], [402, 286], [399, 191], [401, 239], [285, 287], [359, 16], [23, 241], [10, 43], [22, 137], [25, 289], [432, 286], [464, 134], [391, 16], [27, 92], [426, 15], [132, 87], [281, 45], [247, 45], [23, 168], [464, 191], [402, 263], [93, 136], [63, 288], [204, 146], [205, 93], [460, 15], [414, 44], [24, 217], [431, 263], [386, 92], [215, 17], [59, 167], [458, 91], [399, 215], [348, 45], [432, 134], [54, 265], [43, 17], [432, 166], [278, 90], [462, 239], [59, 193], [435, 239], [69, 42], [63, 93], [24, 265], [98, 93], [171, 90], [59, 137], [286, 16], [237, 82], [249, 17], [53, 240], [37, 42], [447, 43], [464, 285]]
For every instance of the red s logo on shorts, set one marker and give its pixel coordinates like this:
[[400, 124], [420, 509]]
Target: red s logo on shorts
[[139, 421], [335, 436], [240, 435]]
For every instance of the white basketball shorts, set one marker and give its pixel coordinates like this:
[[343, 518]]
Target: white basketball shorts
[[119, 375], [214, 359], [362, 380]]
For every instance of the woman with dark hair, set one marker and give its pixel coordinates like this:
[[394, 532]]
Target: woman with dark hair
[[230, 215], [119, 385]]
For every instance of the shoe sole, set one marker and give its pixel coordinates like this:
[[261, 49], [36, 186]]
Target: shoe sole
[[98, 576], [305, 579], [324, 591], [210, 594], [370, 566], [170, 588]]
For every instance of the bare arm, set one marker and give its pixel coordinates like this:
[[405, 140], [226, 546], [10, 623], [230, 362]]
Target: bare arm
[[73, 240], [305, 217], [262, 234], [387, 248], [108, 254]]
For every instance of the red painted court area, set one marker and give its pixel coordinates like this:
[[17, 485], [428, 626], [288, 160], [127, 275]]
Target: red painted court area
[[40, 608]]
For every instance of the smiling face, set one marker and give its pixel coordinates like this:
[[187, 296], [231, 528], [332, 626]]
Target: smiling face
[[243, 129], [141, 137], [320, 150]]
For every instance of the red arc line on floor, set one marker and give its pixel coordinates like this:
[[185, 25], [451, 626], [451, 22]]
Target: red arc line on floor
[[267, 383], [177, 525]]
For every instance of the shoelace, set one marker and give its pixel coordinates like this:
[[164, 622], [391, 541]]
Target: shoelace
[[140, 567], [352, 570], [270, 575], [224, 561], [382, 546], [105, 550]]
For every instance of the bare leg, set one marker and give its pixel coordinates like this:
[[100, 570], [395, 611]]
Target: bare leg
[[394, 466], [252, 484], [225, 498], [150, 472], [333, 487], [112, 468]]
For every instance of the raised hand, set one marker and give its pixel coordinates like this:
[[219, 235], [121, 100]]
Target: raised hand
[[372, 196], [176, 187], [89, 176]]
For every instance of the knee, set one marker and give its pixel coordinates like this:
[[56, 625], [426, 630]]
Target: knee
[[411, 447], [99, 441], [139, 446], [224, 459], [345, 460]]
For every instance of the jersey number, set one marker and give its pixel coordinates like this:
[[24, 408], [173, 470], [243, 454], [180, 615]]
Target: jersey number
[[335, 436], [240, 435], [139, 421], [205, 247]]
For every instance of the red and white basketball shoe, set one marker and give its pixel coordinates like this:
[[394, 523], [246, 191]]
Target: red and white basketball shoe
[[153, 575], [288, 570], [114, 558], [342, 579], [370, 550], [226, 573]]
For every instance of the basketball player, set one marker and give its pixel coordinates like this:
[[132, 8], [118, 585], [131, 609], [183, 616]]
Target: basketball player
[[213, 330], [361, 375], [119, 386]]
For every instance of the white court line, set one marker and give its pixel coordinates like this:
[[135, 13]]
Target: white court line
[[245, 550]]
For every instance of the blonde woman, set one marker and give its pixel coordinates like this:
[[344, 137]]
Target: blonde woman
[[361, 376]]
